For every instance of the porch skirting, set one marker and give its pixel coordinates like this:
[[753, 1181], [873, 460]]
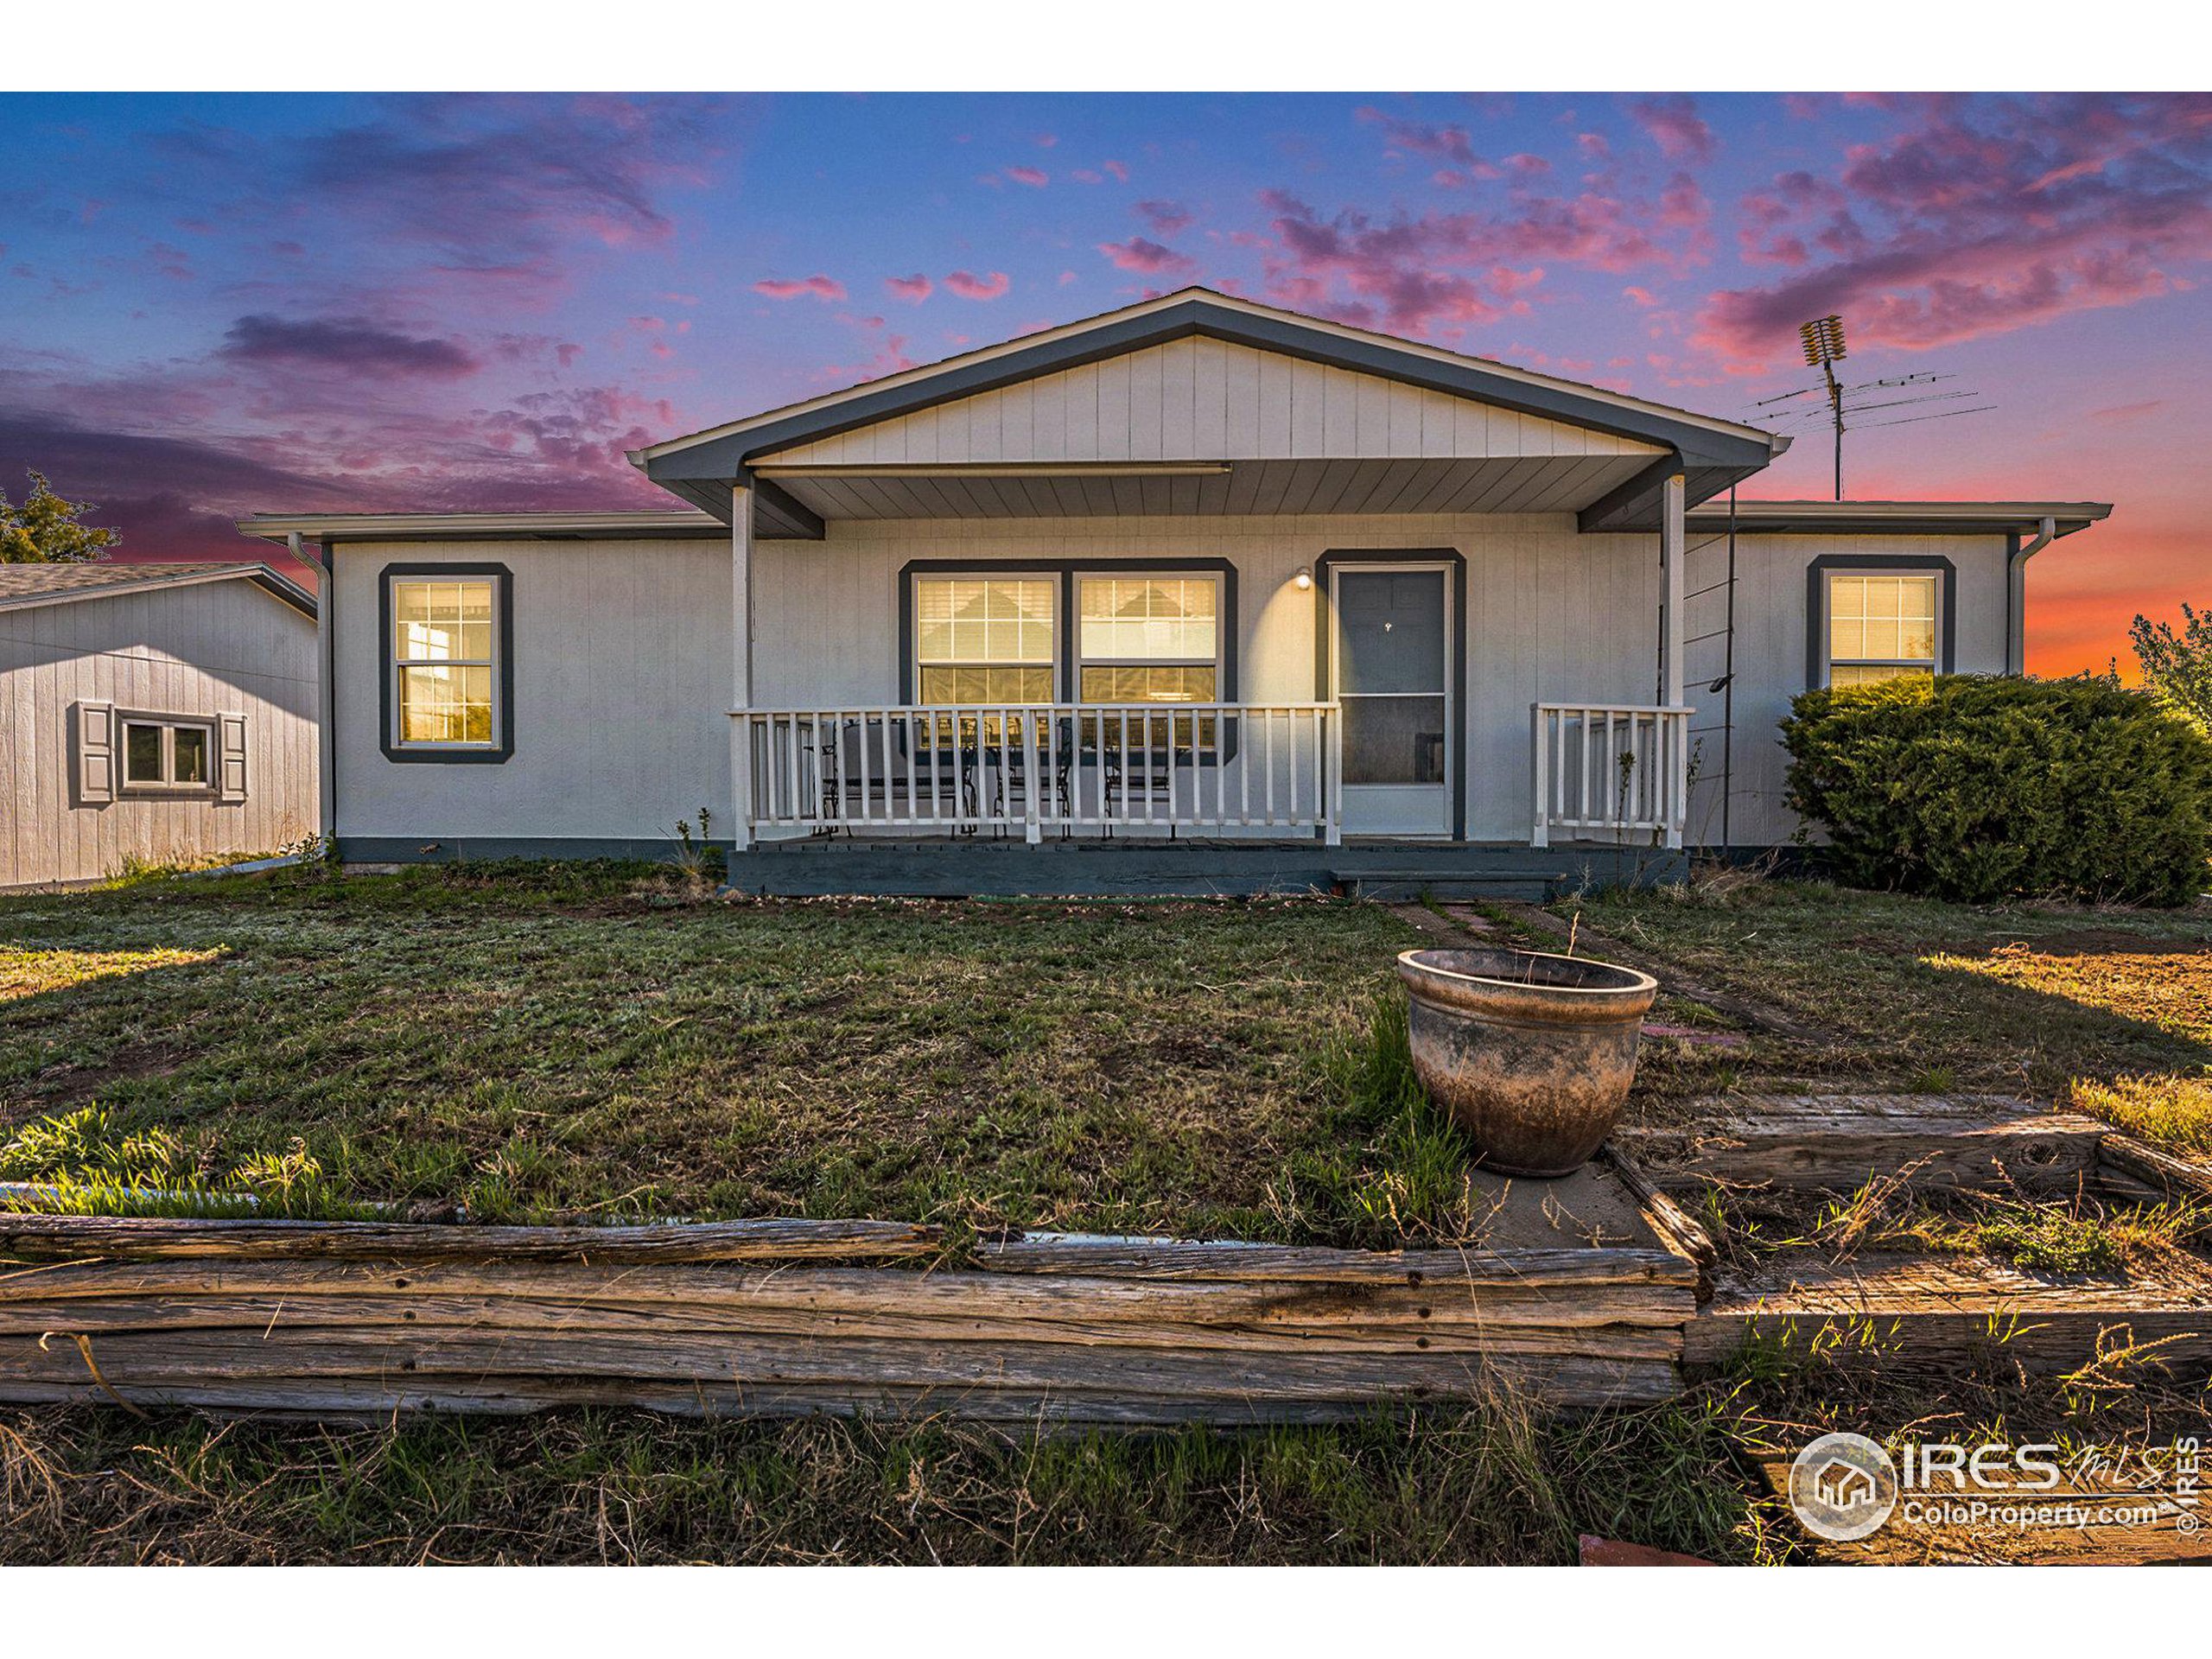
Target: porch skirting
[[1123, 867]]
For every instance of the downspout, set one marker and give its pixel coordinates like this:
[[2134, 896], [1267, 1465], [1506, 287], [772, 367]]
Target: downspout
[[2015, 597], [325, 726]]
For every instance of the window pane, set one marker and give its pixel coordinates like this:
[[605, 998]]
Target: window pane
[[983, 620], [1869, 673], [142, 754], [1149, 684], [190, 751], [1878, 619], [445, 705], [442, 621], [1393, 740], [958, 686], [1162, 618]]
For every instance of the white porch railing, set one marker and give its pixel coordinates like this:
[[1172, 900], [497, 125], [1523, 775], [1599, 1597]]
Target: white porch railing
[[1042, 767], [1618, 770]]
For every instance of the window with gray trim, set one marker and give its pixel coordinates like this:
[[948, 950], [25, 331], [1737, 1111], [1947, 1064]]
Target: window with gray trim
[[1882, 625], [444, 661]]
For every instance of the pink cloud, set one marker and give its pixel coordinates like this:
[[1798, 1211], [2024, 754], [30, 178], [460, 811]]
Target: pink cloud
[[1033, 177], [913, 289], [817, 286], [1640, 296], [1164, 218], [1088, 175], [1138, 254], [1046, 140], [1673, 125], [1977, 220], [1445, 144], [1594, 146], [1119, 169], [969, 286]]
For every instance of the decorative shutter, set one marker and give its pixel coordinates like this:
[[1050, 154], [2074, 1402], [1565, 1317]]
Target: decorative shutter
[[93, 726], [230, 757]]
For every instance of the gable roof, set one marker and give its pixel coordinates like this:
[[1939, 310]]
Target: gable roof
[[1711, 452], [23, 586]]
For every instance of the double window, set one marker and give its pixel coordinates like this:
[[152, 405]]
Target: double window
[[446, 673], [1137, 637], [1880, 626], [167, 754]]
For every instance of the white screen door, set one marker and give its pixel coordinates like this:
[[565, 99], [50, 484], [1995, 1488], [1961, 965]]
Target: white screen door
[[1391, 673]]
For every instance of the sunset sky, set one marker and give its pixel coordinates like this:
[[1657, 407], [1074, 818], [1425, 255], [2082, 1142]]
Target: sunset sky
[[215, 305]]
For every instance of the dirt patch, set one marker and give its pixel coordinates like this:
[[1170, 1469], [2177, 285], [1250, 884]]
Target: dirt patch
[[74, 1086]]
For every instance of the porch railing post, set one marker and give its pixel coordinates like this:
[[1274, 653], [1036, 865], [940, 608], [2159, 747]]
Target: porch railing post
[[1334, 717], [1032, 829], [1540, 833], [741, 628]]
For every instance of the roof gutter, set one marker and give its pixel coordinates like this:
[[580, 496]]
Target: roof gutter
[[2016, 595]]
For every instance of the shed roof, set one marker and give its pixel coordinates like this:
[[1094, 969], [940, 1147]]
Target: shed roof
[[23, 586]]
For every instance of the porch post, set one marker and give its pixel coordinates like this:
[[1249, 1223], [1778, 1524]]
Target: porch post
[[1672, 733], [1670, 598], [741, 699]]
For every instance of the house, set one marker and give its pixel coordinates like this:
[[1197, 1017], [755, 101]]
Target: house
[[151, 714], [1196, 595]]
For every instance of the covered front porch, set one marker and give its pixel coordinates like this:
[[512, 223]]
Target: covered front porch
[[1201, 570]]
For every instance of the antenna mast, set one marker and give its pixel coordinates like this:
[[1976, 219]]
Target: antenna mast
[[1823, 339]]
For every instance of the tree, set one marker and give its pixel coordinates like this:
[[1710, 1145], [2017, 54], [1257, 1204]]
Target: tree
[[45, 530], [2177, 668]]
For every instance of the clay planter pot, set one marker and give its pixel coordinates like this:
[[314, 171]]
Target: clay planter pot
[[1532, 1054]]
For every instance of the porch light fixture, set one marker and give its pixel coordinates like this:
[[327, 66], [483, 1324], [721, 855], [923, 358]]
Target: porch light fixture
[[1304, 579]]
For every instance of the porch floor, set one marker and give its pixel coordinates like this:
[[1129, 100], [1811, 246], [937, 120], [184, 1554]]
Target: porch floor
[[1131, 867]]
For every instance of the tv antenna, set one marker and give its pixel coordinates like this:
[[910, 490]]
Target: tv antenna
[[1823, 341]]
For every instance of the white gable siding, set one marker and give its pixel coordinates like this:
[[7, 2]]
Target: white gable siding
[[1206, 399], [202, 650]]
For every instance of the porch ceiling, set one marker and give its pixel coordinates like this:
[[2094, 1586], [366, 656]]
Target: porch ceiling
[[1498, 484]]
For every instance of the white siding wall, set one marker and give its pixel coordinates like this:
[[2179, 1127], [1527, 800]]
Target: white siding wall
[[623, 652], [1769, 654], [208, 648], [1213, 401], [622, 689]]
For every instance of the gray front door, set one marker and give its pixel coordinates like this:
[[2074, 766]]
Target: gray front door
[[1393, 679]]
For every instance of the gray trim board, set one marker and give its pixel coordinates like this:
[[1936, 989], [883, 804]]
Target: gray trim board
[[504, 751], [1816, 604]]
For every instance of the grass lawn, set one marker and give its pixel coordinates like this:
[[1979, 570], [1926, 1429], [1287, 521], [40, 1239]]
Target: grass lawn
[[579, 1043], [589, 1041], [2109, 1010]]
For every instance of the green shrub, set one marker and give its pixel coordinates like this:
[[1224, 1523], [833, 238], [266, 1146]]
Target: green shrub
[[1977, 788]]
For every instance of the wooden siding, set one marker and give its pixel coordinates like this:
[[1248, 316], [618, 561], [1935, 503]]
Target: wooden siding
[[1769, 655], [1206, 399], [622, 672], [201, 650], [622, 692]]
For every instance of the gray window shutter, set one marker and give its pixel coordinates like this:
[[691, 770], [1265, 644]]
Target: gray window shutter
[[92, 727], [230, 757]]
